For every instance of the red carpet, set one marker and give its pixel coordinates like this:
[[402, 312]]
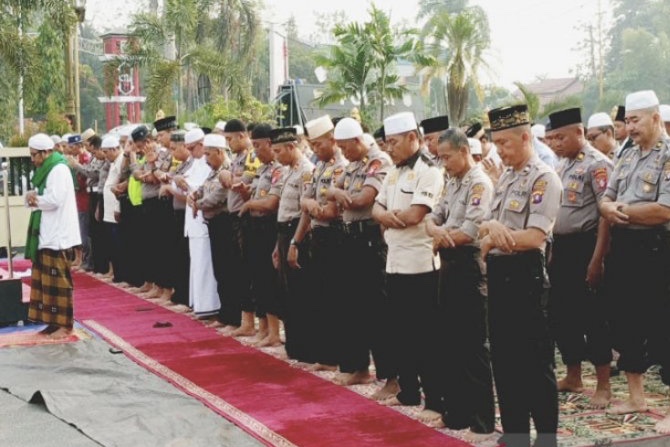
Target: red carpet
[[278, 404]]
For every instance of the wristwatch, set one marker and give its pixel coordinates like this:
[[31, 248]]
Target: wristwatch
[[293, 241]]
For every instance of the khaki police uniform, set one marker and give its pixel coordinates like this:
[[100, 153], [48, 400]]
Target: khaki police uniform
[[412, 277], [237, 270], [468, 383], [522, 350], [362, 274], [212, 199], [294, 285], [262, 239], [637, 267], [325, 255], [578, 315], [181, 256]]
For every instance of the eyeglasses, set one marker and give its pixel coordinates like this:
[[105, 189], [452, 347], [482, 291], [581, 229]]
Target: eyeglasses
[[34, 154], [592, 137]]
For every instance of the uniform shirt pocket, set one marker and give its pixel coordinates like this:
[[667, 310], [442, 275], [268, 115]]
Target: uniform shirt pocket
[[646, 184], [573, 194]]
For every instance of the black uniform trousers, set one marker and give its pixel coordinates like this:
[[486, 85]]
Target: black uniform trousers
[[130, 233], [415, 306], [260, 243], [365, 316], [155, 252], [522, 350], [182, 260], [578, 315], [468, 383], [220, 230], [99, 246], [638, 282], [325, 253], [241, 275], [296, 295]]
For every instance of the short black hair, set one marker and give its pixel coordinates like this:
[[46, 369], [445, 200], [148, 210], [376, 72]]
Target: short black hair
[[235, 125], [95, 142], [261, 131]]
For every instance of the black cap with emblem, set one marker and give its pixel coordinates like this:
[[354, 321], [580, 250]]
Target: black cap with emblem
[[436, 124], [565, 117], [508, 117], [167, 123], [140, 133]]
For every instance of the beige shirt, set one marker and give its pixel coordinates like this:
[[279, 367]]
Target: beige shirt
[[264, 184], [465, 203], [529, 198], [212, 196], [584, 180], [325, 174], [417, 182], [240, 168], [291, 187], [642, 178], [370, 171]]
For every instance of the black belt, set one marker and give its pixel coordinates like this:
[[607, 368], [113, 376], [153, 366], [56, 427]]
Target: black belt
[[576, 238], [516, 261], [640, 239], [288, 226], [358, 228], [459, 253]]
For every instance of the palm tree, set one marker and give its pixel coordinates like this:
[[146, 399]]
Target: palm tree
[[454, 46], [362, 63]]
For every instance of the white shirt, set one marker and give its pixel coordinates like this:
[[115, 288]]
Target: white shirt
[[410, 250], [195, 177], [111, 203], [59, 228]]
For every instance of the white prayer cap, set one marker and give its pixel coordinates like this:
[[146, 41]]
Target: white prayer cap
[[41, 142], [399, 123], [88, 133], [644, 99], [110, 142], [318, 127], [56, 139], [600, 119], [215, 140], [220, 125], [299, 130], [538, 131], [475, 146], [194, 135], [665, 112], [348, 128], [189, 126]]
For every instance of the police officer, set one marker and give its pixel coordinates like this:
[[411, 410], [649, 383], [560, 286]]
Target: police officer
[[366, 308], [432, 129], [618, 116], [262, 207], [319, 216], [237, 181], [409, 194], [577, 310], [454, 226], [212, 199], [290, 254], [600, 133], [637, 204], [523, 212]]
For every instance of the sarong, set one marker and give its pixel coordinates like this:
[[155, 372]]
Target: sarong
[[51, 299]]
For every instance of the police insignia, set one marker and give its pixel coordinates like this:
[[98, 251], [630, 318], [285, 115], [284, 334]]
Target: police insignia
[[600, 176], [374, 167], [572, 196], [514, 205], [539, 187], [276, 175], [307, 177], [666, 171], [581, 156]]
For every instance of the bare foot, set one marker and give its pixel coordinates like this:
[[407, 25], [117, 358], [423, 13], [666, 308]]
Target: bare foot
[[628, 407], [180, 308], [167, 294], [431, 418], [269, 341], [322, 367], [474, 438], [60, 333], [145, 288], [261, 335], [216, 324], [227, 329], [390, 389], [600, 399], [568, 385], [357, 378], [243, 331], [391, 402], [663, 426], [153, 293]]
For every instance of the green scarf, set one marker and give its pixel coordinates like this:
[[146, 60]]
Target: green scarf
[[39, 181]]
